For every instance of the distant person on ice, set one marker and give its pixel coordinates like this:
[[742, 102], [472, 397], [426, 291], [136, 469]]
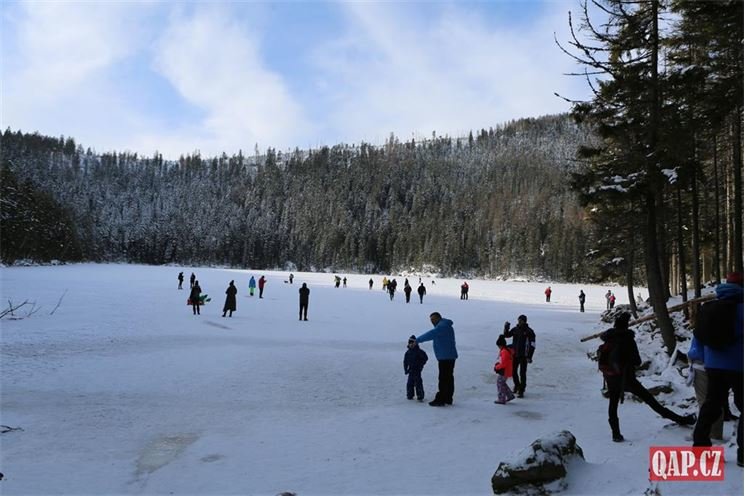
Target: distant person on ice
[[612, 300], [392, 288], [503, 368], [385, 283], [619, 372], [607, 300], [344, 282], [407, 292], [262, 282], [422, 291], [370, 282], [414, 361], [548, 294], [180, 279], [523, 347], [230, 299], [192, 280], [581, 301], [292, 276], [304, 294], [464, 291], [337, 281], [251, 286], [196, 292], [443, 343]]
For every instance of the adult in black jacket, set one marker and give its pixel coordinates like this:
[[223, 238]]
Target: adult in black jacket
[[523, 347], [581, 301], [422, 291], [180, 279], [407, 292], [196, 290], [230, 299], [622, 376], [192, 280], [304, 294]]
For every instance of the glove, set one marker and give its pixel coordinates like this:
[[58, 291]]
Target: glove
[[500, 372], [530, 360]]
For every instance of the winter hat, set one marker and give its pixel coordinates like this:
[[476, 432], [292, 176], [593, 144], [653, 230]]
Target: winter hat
[[622, 321], [412, 339], [501, 341], [735, 278], [522, 318]]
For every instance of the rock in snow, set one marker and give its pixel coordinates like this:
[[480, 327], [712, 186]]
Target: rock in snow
[[543, 462]]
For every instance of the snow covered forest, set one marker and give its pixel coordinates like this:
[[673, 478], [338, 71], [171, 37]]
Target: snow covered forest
[[492, 204]]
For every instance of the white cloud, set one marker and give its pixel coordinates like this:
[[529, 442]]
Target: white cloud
[[216, 65]]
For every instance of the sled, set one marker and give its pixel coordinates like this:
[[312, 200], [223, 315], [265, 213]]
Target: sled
[[202, 300]]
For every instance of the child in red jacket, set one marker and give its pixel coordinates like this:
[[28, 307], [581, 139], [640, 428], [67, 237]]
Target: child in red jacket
[[503, 368]]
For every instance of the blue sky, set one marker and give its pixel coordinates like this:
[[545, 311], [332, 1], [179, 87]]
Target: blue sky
[[223, 76]]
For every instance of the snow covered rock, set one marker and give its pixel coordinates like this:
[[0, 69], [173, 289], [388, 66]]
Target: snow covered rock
[[543, 462]]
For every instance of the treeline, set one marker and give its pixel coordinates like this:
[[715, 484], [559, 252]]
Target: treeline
[[663, 185], [497, 203]]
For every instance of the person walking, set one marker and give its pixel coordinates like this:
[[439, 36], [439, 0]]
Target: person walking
[[304, 294], [523, 347], [180, 279], [337, 281], [581, 301], [723, 361], [344, 282], [547, 292], [392, 284], [443, 343], [192, 280], [414, 360], [196, 292], [262, 282], [421, 290], [251, 286], [230, 299], [370, 283], [407, 292], [503, 368], [292, 277], [699, 380], [619, 372]]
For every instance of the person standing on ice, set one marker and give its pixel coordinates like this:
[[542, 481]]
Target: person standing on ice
[[581, 301], [251, 286], [407, 292], [230, 299], [196, 292], [620, 376], [607, 300], [503, 368], [292, 276], [548, 294], [612, 300], [414, 360], [370, 283], [421, 290], [392, 288], [262, 282], [304, 295], [464, 291], [523, 346], [192, 280], [344, 282], [180, 279], [443, 343]]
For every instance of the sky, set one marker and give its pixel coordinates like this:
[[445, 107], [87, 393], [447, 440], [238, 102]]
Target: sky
[[179, 77]]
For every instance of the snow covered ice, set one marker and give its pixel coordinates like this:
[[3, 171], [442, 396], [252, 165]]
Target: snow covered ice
[[124, 391]]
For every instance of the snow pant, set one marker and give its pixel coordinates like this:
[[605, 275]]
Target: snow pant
[[414, 383], [582, 307], [179, 284], [520, 373], [719, 383], [700, 386], [617, 384], [408, 297], [421, 299], [445, 381], [304, 310], [250, 291], [548, 299], [195, 308], [391, 294], [261, 292], [503, 390]]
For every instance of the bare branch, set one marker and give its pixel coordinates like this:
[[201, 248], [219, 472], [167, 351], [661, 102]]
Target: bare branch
[[58, 303], [12, 308]]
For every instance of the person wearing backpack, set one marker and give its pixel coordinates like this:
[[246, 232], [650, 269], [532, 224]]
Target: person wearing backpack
[[719, 328], [618, 358]]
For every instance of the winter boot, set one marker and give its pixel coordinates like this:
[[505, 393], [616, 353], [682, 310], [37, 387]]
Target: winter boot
[[616, 430]]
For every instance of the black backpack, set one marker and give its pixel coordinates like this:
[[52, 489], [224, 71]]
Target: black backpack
[[715, 324]]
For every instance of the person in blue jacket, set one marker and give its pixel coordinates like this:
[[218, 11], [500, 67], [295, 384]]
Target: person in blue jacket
[[724, 370], [414, 360], [443, 343], [698, 379]]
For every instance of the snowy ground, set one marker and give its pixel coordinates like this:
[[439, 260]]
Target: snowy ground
[[123, 391]]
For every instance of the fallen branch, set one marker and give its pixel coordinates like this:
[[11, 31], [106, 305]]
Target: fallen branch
[[652, 316], [58, 303], [12, 308]]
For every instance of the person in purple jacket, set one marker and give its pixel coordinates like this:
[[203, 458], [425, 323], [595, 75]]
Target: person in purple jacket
[[443, 343]]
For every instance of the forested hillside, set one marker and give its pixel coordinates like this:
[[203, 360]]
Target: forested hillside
[[495, 204]]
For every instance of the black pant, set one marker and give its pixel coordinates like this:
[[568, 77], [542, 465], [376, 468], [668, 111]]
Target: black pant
[[195, 309], [304, 310], [582, 306], [520, 373], [421, 298], [617, 384], [719, 383], [445, 381], [261, 292], [414, 384], [408, 297]]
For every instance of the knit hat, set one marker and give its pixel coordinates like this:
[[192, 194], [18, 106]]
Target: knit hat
[[522, 318], [735, 278], [412, 339]]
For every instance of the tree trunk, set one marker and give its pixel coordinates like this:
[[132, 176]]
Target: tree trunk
[[696, 255], [681, 245], [737, 180], [717, 227]]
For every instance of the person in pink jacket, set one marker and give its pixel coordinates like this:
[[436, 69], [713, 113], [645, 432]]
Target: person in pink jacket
[[503, 368]]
